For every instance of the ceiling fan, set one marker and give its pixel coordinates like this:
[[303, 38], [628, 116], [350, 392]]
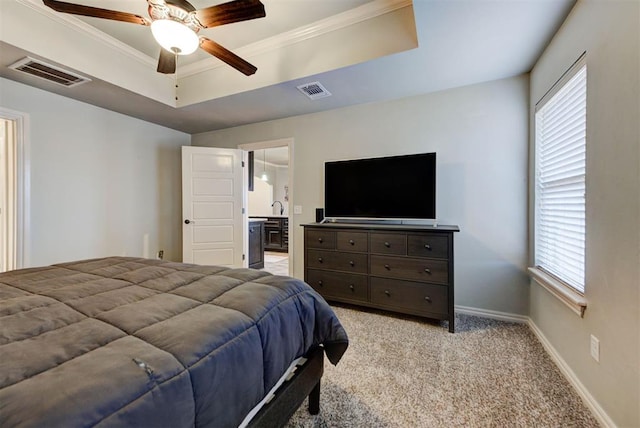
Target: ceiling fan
[[175, 24]]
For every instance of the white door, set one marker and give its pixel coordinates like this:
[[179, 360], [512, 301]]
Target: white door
[[212, 207]]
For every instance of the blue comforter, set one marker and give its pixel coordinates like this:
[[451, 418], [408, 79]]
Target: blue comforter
[[148, 343]]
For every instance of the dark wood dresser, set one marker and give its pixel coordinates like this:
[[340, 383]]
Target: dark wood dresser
[[400, 268]]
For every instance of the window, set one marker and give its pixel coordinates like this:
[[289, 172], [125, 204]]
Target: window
[[560, 153]]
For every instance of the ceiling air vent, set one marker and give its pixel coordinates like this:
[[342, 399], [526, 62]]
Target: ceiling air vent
[[314, 90], [49, 72]]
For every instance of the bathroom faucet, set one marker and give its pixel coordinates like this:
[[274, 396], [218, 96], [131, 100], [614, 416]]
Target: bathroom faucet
[[281, 207]]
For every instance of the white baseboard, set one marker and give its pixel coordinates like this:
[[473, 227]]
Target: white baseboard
[[486, 313], [597, 411], [586, 396]]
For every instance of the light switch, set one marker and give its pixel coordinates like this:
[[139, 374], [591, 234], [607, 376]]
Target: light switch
[[297, 209]]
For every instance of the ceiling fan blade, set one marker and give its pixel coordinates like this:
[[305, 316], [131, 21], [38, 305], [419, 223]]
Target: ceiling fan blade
[[227, 56], [166, 62], [77, 9], [233, 11], [182, 4]]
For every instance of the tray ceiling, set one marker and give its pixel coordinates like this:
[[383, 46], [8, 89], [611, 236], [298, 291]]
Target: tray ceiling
[[360, 50]]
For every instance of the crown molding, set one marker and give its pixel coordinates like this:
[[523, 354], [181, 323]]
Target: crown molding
[[356, 15], [77, 24]]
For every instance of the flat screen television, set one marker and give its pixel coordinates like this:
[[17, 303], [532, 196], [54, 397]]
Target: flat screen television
[[396, 187]]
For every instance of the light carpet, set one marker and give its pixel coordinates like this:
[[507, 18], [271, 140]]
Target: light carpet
[[409, 372]]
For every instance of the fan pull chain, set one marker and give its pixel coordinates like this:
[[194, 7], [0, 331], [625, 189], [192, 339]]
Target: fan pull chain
[[175, 77]]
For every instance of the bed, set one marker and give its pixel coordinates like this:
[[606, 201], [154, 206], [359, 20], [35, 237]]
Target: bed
[[124, 341]]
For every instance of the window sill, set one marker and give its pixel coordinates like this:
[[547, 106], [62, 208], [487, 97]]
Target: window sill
[[575, 301]]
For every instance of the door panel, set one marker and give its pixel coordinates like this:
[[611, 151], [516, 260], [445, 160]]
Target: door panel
[[213, 210], [212, 234], [205, 162], [222, 257], [212, 187]]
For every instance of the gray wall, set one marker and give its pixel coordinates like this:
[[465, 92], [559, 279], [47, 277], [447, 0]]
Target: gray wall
[[610, 34], [100, 180], [480, 136]]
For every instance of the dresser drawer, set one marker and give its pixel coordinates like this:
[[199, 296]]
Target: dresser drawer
[[318, 238], [389, 243], [412, 296], [338, 285], [426, 270], [346, 262], [435, 246], [352, 241]]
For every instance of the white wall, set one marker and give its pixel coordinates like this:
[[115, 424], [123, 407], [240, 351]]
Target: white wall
[[609, 31], [281, 180], [261, 198], [480, 135], [100, 180]]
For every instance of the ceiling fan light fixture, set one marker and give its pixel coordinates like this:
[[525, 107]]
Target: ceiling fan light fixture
[[175, 36], [175, 25]]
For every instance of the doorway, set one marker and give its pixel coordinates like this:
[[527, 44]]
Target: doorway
[[14, 189], [270, 201]]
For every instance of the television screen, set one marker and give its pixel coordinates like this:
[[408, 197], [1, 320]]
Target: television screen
[[397, 187]]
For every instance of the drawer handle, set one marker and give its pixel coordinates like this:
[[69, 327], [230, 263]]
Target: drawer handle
[[320, 259], [320, 283], [427, 246], [352, 242], [427, 270], [386, 244], [351, 287], [387, 293], [352, 263], [387, 267], [320, 240], [428, 299]]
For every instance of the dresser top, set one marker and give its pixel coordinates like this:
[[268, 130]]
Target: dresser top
[[384, 226]]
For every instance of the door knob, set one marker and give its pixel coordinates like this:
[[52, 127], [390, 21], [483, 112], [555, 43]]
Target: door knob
[[187, 221]]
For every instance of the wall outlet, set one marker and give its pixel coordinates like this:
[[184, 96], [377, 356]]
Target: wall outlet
[[595, 348], [297, 209], [161, 254]]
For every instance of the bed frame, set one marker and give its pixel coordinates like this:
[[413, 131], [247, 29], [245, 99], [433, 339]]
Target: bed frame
[[288, 398]]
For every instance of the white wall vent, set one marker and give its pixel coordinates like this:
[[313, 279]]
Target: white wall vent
[[49, 72], [314, 90]]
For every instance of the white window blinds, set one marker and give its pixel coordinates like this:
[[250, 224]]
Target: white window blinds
[[560, 123]]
